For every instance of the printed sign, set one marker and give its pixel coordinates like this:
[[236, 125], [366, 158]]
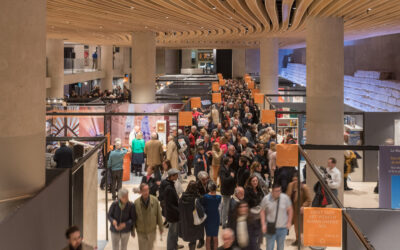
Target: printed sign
[[185, 118], [389, 177], [215, 86], [216, 97], [287, 155], [268, 116], [259, 98], [322, 227], [195, 102]]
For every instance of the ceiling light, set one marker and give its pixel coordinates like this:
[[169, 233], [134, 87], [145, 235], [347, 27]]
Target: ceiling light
[[119, 22], [294, 8], [100, 27], [132, 7], [230, 17], [201, 27], [214, 8], [369, 9], [166, 17], [145, 27]]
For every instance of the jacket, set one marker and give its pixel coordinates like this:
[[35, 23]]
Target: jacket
[[127, 216], [242, 175], [64, 157], [148, 218], [202, 189], [227, 181], [138, 146], [187, 230], [116, 159], [252, 198], [154, 152], [217, 157], [172, 153], [171, 202], [199, 165]]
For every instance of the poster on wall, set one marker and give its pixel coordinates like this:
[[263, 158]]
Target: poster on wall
[[389, 177], [396, 132]]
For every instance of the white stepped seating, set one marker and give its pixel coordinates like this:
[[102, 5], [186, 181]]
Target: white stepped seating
[[363, 91]]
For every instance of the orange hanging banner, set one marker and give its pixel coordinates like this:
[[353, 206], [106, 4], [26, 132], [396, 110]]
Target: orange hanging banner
[[259, 98], [185, 118], [268, 116], [126, 172], [215, 86], [219, 76], [247, 79], [250, 85], [216, 97], [195, 102], [287, 155], [221, 82], [322, 227], [255, 91]]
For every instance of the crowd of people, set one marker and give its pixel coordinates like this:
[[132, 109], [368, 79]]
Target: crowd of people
[[237, 184], [116, 93]]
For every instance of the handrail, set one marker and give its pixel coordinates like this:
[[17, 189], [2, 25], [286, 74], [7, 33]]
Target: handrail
[[108, 114], [285, 95], [82, 160], [364, 240]]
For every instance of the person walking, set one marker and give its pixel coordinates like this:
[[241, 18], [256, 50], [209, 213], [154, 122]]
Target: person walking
[[148, 216], [171, 208], [115, 162], [305, 201], [188, 231], [216, 161], [211, 202], [255, 169], [138, 145], [172, 152], [64, 156], [227, 177], [276, 217], [122, 216], [154, 154], [335, 179], [200, 161], [151, 181], [228, 238]]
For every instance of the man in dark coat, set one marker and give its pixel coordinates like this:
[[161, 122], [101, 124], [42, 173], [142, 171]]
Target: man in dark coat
[[171, 208], [227, 176], [64, 156]]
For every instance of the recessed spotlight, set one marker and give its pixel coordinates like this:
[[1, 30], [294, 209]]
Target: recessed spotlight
[[145, 27], [201, 27], [67, 22], [119, 22], [132, 7], [166, 17], [214, 8], [369, 9], [187, 23], [100, 27], [294, 8]]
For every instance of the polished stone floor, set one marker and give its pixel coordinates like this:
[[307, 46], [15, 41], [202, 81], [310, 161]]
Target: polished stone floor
[[361, 197]]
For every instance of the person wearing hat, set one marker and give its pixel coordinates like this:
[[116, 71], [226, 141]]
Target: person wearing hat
[[170, 197]]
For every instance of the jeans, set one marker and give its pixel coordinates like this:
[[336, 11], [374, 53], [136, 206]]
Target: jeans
[[226, 200], [116, 182], [118, 238], [279, 237], [254, 229], [172, 238]]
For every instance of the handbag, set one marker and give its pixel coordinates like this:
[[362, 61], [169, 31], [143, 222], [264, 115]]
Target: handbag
[[197, 220], [271, 226]]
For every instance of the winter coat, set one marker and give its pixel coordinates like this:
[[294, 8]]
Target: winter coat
[[152, 184], [216, 157], [154, 152], [227, 181], [199, 165], [171, 202], [253, 199], [243, 174], [187, 230], [148, 218], [172, 154], [127, 216]]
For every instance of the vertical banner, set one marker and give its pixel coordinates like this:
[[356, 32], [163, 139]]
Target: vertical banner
[[255, 91], [195, 102], [322, 227], [215, 86], [185, 118], [221, 82], [287, 155], [126, 172], [250, 85], [389, 177], [216, 97], [268, 116], [259, 98]]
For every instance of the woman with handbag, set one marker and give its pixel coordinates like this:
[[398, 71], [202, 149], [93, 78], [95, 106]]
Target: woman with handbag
[[188, 231], [253, 195]]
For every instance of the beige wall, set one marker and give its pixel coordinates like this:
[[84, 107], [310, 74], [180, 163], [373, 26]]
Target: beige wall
[[172, 61], [160, 61], [252, 60]]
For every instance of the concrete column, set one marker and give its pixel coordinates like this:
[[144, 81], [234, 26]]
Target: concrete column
[[238, 62], [253, 60], [107, 67], [269, 58], [143, 67], [160, 61], [55, 67], [172, 61], [325, 73], [22, 99], [186, 58]]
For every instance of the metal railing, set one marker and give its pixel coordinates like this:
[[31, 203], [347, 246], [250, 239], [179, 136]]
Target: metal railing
[[310, 164]]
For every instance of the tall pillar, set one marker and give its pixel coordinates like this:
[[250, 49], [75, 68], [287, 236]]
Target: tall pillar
[[186, 58], [325, 73], [238, 62], [107, 67], [55, 67], [160, 61], [269, 58], [172, 61], [22, 99], [143, 67]]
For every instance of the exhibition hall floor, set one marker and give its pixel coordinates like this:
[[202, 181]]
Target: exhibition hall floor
[[361, 197]]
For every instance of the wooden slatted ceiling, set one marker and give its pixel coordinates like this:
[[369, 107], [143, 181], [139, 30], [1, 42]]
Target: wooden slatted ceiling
[[213, 23]]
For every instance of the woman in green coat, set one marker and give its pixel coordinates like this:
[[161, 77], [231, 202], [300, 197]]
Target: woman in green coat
[[137, 154]]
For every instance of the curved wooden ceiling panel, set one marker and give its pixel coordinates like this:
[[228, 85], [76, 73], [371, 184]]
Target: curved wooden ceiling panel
[[213, 23]]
